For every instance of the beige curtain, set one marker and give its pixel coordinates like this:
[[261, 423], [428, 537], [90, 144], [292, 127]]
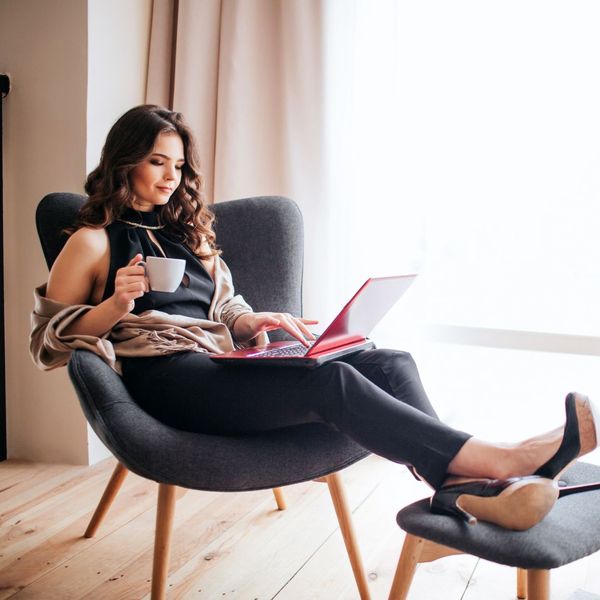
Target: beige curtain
[[248, 76]]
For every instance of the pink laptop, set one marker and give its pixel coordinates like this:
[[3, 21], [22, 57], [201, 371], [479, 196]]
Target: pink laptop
[[346, 334]]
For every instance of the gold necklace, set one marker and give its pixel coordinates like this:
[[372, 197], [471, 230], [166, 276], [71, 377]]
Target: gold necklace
[[141, 225]]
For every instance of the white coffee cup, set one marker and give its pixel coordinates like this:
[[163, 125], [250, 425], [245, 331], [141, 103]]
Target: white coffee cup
[[164, 274]]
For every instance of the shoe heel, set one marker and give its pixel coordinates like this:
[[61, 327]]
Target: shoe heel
[[447, 504], [578, 489], [517, 503], [522, 503]]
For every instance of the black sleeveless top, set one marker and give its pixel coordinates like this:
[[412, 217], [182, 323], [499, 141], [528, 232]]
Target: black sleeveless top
[[193, 296]]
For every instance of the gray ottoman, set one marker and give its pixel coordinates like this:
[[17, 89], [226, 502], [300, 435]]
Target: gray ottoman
[[570, 532]]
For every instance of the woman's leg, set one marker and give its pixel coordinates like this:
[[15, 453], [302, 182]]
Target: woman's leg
[[478, 458], [396, 373], [191, 392]]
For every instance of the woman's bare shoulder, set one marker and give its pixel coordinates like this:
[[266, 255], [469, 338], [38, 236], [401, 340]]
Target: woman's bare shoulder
[[79, 267], [88, 238]]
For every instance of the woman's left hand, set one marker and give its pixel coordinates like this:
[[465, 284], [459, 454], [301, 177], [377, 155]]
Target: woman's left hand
[[249, 325]]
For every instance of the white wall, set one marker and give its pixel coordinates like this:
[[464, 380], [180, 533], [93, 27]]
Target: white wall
[[118, 41], [43, 48], [51, 119]]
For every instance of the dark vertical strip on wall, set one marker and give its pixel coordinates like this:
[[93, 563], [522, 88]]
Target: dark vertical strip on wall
[[4, 89], [173, 54]]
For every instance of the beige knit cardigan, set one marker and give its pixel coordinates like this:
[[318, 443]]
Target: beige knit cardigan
[[151, 333]]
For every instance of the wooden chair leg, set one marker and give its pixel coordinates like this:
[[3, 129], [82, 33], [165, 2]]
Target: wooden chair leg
[[521, 584], [279, 498], [110, 493], [336, 489], [538, 584], [407, 565], [165, 511]]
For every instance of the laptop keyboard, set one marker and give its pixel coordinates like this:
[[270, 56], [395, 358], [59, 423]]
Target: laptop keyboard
[[294, 350]]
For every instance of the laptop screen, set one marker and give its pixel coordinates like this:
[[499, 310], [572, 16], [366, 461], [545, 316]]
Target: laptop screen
[[361, 314]]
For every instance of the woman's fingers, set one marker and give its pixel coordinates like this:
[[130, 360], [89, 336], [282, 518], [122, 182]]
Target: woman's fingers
[[295, 326], [289, 324], [272, 321], [136, 259], [133, 286], [124, 283], [131, 280], [130, 283], [305, 330], [132, 268], [132, 271], [294, 332], [131, 277]]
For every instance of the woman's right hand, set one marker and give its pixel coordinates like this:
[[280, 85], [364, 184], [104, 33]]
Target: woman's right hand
[[130, 283]]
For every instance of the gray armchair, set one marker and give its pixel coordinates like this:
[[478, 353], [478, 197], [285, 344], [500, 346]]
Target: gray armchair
[[262, 243]]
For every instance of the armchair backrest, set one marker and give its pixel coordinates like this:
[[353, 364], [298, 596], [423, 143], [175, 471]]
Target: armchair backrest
[[54, 214], [263, 245], [261, 239]]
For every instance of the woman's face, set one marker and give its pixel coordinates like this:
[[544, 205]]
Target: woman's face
[[157, 177]]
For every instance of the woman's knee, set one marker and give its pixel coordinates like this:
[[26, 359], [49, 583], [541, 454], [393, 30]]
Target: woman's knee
[[338, 373], [396, 354], [404, 359], [398, 358]]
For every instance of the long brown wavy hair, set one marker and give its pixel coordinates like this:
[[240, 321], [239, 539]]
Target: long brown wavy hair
[[129, 142]]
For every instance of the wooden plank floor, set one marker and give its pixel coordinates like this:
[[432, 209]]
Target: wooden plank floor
[[227, 545]]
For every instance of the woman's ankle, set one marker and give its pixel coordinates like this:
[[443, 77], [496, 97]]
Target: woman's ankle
[[478, 458], [485, 460], [530, 454]]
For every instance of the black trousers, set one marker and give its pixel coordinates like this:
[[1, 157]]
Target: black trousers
[[374, 397]]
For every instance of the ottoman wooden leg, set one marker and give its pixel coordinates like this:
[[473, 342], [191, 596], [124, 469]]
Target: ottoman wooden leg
[[407, 565], [414, 551], [521, 584], [538, 584]]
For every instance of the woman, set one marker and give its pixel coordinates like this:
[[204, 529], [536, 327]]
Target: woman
[[145, 199]]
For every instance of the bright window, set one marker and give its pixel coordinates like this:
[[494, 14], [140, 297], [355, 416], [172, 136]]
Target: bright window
[[466, 145]]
